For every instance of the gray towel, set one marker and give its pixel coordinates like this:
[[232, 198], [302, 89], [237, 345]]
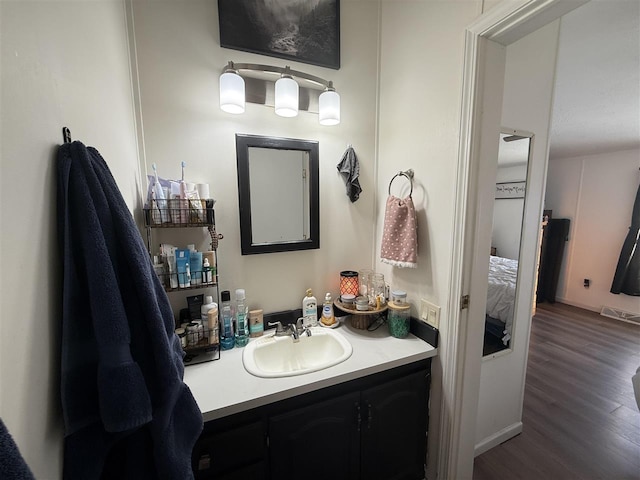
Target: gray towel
[[350, 170]]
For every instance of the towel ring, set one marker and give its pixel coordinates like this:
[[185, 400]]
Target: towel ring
[[408, 174]]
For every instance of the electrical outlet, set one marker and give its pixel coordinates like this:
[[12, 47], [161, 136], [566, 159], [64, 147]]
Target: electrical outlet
[[429, 313]]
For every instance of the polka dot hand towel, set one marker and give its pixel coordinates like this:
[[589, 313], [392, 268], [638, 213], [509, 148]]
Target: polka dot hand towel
[[400, 233]]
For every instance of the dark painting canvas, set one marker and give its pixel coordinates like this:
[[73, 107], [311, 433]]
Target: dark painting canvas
[[302, 30]]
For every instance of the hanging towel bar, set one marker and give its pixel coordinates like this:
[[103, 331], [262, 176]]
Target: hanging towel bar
[[408, 174]]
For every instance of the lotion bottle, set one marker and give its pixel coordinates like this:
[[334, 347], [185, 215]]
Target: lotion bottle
[[309, 310]]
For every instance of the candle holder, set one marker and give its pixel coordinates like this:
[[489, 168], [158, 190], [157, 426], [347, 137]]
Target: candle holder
[[349, 283]]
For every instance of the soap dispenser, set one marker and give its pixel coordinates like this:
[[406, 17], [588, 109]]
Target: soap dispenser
[[328, 318], [309, 310]]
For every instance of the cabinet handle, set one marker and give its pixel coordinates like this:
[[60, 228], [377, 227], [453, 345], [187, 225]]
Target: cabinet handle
[[358, 415], [370, 416]]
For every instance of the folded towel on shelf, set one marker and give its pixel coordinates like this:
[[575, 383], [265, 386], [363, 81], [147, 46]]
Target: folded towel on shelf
[[12, 465], [350, 170], [399, 235]]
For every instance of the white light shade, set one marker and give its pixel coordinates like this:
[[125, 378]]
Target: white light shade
[[329, 108], [231, 92], [286, 97]]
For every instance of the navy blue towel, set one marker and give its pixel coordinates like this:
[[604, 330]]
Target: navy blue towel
[[122, 370], [12, 465]]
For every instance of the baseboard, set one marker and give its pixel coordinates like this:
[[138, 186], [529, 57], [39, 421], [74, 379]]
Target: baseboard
[[592, 309], [498, 438], [577, 304]]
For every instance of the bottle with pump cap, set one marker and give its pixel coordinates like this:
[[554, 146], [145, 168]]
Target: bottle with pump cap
[[242, 328], [328, 317], [309, 310], [227, 341]]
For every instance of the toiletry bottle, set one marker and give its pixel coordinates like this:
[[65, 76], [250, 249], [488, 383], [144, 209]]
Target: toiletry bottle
[[328, 318], [309, 310], [256, 323], [227, 341], [212, 325], [207, 275], [242, 328], [208, 304]]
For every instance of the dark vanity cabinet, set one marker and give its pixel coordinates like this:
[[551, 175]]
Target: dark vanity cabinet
[[372, 428], [319, 441]]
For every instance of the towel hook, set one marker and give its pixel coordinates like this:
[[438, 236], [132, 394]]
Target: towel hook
[[66, 135], [408, 174]]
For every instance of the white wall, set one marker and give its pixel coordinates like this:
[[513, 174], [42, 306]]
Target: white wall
[[179, 61], [596, 193], [58, 69], [529, 79], [420, 84]]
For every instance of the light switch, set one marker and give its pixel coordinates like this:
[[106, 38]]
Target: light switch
[[430, 313]]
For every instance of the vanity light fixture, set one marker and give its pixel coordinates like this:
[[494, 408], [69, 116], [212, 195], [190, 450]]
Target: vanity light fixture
[[329, 106], [286, 95], [231, 91], [292, 91]]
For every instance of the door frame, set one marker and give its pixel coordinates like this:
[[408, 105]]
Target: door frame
[[504, 24]]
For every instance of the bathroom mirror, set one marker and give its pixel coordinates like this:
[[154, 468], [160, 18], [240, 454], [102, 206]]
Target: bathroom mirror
[[278, 190], [508, 210]]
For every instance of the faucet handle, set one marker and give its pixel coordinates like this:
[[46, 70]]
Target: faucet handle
[[278, 326]]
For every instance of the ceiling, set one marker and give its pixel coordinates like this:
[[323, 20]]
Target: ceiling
[[597, 93]]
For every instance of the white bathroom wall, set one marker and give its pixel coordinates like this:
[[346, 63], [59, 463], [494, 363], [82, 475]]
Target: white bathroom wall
[[528, 89], [179, 62], [58, 69], [596, 192], [420, 85]]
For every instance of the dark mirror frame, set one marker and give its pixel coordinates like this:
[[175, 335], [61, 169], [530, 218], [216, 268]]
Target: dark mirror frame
[[243, 143]]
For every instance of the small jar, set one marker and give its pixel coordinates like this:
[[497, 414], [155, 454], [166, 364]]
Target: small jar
[[182, 335], [398, 319], [362, 303], [194, 333], [348, 299], [399, 297]]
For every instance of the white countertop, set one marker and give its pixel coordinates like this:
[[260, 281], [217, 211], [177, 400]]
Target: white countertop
[[223, 387]]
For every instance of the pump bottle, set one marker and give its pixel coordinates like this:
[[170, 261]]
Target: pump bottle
[[309, 310]]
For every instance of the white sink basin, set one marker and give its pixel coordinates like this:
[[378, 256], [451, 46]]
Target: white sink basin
[[282, 357]]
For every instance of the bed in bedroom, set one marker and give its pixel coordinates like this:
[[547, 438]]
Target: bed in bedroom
[[501, 294]]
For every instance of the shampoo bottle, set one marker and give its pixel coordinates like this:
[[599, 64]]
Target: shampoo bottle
[[309, 310], [328, 317]]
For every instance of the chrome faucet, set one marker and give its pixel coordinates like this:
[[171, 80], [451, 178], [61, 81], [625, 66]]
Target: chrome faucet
[[294, 332], [294, 329]]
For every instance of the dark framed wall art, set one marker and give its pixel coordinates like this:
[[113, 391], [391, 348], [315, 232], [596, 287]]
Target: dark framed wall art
[[306, 31]]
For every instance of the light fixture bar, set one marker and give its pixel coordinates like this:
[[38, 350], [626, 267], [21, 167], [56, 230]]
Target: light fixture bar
[[289, 95], [319, 82]]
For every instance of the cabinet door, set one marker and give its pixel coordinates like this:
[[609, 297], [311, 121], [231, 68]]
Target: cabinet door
[[316, 442], [229, 454], [394, 429]]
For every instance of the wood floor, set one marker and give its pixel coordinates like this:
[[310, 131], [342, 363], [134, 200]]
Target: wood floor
[[580, 416]]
